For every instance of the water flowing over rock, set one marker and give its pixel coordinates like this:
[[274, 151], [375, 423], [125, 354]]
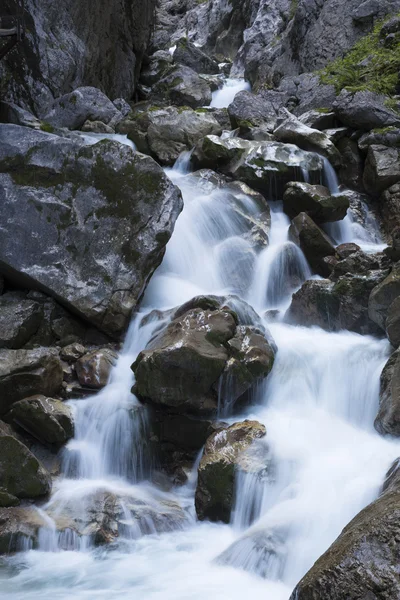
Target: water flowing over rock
[[98, 207], [313, 241], [216, 474]]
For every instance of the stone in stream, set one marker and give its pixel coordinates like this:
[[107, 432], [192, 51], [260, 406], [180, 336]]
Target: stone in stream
[[222, 456], [315, 200], [190, 55], [167, 132], [338, 305], [48, 420], [392, 324], [363, 563], [184, 366], [21, 474], [314, 243], [105, 211], [383, 295], [251, 110], [387, 421], [24, 373], [183, 87], [351, 171], [93, 369]]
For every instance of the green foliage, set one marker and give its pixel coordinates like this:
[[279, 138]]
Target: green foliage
[[369, 65], [46, 127], [293, 8]]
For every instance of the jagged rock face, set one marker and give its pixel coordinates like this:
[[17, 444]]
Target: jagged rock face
[[315, 200], [363, 562], [183, 87], [106, 214], [383, 295], [70, 44], [387, 421], [382, 169], [187, 363], [224, 452]]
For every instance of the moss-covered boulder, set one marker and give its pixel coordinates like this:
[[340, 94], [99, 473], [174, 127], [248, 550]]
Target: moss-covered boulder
[[313, 241], [218, 466], [183, 87], [21, 474], [251, 110], [105, 212], [24, 373], [200, 356], [387, 421], [7, 500], [316, 201], [93, 369], [48, 420], [166, 132]]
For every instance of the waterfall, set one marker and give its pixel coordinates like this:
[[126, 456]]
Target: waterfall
[[324, 459], [223, 97]]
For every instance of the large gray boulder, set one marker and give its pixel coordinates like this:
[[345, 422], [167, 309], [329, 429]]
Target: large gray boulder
[[315, 200], [183, 87], [187, 365], [24, 373], [363, 563], [166, 132], [223, 456], [83, 104], [251, 110], [105, 211], [387, 421], [382, 169], [364, 110], [20, 319], [48, 420], [21, 474], [156, 67], [389, 205], [93, 369]]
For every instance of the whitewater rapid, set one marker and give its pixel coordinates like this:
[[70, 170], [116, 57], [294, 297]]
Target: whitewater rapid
[[318, 406]]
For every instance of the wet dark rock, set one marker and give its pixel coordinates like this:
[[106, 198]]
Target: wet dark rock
[[389, 136], [318, 119], [363, 561], [12, 113], [93, 369], [21, 474], [48, 420], [383, 295], [364, 110], [392, 324], [183, 87], [97, 127], [166, 132], [216, 474], [360, 263], [20, 319], [334, 306], [24, 373], [7, 500], [98, 207], [18, 525], [382, 169], [72, 352], [313, 241], [185, 364], [157, 66], [352, 168], [390, 208], [190, 55], [387, 421], [315, 200]]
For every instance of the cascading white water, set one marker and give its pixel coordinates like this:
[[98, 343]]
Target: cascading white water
[[223, 97], [325, 461]]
